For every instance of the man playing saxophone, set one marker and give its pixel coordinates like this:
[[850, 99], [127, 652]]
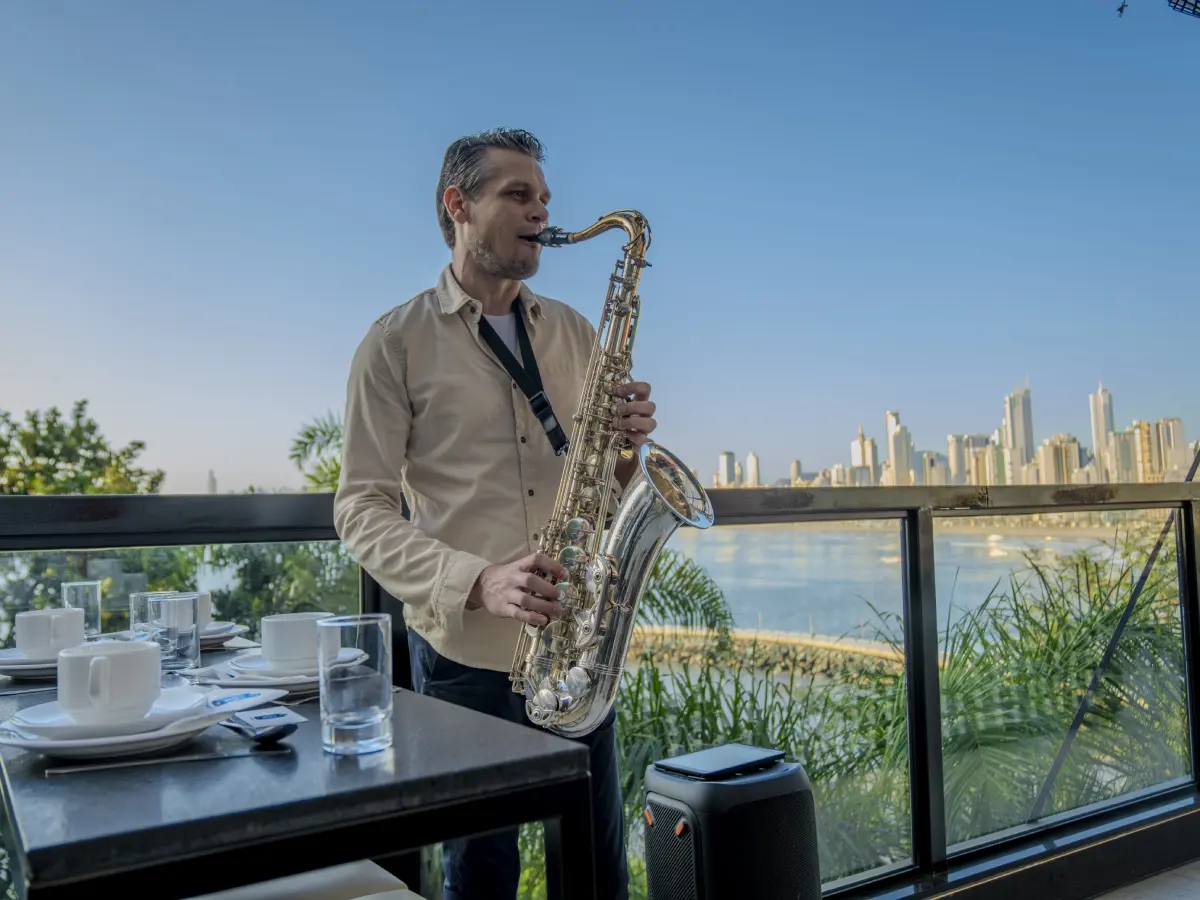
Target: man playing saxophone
[[434, 411]]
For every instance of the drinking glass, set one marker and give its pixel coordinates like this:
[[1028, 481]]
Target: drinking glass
[[354, 656], [84, 595], [173, 621], [139, 613]]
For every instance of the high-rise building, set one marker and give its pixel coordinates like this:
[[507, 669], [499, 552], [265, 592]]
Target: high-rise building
[[956, 458], [726, 476], [1058, 459], [1121, 453], [1018, 426], [212, 482], [1147, 452], [752, 479], [900, 451], [737, 474], [865, 454], [935, 471], [1173, 447], [794, 472], [1102, 426]]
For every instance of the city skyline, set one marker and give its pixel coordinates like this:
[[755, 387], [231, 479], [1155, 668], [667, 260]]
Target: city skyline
[[1014, 453]]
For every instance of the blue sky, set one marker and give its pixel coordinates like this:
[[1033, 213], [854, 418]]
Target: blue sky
[[857, 206]]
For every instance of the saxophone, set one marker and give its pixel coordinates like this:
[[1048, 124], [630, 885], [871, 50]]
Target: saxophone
[[569, 669]]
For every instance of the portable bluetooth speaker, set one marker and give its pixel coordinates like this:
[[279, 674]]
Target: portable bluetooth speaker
[[730, 823]]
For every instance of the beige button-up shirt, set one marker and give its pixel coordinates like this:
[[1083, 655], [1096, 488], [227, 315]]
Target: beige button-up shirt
[[432, 413]]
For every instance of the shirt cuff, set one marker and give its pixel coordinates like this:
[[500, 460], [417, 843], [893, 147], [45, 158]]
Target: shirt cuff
[[460, 578]]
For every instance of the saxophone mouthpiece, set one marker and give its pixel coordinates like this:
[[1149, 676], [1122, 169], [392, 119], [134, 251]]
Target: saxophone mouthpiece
[[551, 237]]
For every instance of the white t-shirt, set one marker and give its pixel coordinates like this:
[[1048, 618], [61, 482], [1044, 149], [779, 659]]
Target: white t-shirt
[[506, 327]]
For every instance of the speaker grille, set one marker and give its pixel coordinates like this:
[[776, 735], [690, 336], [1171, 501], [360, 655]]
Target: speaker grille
[[782, 832], [670, 859]]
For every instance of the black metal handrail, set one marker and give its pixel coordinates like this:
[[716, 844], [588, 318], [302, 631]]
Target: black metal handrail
[[81, 521]]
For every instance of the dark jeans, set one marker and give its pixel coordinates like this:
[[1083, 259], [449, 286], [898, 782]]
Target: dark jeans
[[488, 867]]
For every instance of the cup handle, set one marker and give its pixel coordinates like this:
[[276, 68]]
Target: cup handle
[[99, 681]]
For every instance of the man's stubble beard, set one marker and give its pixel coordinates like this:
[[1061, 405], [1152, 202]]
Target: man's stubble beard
[[487, 260]]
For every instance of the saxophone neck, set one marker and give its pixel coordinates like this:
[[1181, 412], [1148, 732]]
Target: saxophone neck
[[632, 222]]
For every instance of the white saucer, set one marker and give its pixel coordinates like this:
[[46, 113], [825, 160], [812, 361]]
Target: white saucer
[[253, 661], [220, 705], [14, 657], [213, 635], [38, 672], [50, 720]]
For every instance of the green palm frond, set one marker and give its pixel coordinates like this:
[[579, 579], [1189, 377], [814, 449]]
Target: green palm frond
[[681, 594], [319, 446], [320, 437]]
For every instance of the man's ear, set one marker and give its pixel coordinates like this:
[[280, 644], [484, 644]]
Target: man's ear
[[455, 202]]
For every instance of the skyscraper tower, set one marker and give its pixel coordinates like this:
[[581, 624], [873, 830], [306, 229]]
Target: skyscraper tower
[[726, 477], [752, 479], [1018, 425], [1102, 426], [900, 451]]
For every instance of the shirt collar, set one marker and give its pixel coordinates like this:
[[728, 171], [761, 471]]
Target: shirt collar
[[454, 299]]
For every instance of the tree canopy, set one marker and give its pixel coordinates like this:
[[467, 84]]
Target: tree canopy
[[49, 453]]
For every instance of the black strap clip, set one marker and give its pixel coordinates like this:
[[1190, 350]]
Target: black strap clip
[[540, 404]]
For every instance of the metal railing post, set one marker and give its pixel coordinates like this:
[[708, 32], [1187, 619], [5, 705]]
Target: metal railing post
[[1189, 599], [921, 658]]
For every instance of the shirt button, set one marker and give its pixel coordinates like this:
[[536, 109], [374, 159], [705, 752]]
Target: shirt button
[[531, 492], [522, 440], [472, 309]]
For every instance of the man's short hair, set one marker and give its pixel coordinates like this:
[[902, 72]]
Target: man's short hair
[[465, 165]]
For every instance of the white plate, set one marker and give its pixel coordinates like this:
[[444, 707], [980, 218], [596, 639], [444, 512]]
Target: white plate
[[209, 638], [31, 673], [14, 657], [221, 704], [217, 628], [50, 720], [253, 661]]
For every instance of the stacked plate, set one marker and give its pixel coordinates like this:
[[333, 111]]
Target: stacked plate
[[252, 669], [177, 717], [16, 664], [215, 634]]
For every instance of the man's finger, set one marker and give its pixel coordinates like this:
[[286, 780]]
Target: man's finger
[[636, 408], [530, 603], [549, 565], [642, 424], [538, 586], [529, 617], [639, 390]]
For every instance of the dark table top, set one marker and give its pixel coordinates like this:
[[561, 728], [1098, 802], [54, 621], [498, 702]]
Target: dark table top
[[74, 825]]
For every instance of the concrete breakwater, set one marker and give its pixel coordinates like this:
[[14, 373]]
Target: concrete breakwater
[[807, 654]]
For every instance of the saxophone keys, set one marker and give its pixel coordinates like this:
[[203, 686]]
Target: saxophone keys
[[571, 557], [577, 530], [578, 681]]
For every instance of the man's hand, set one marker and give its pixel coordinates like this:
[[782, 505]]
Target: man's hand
[[635, 411], [513, 591]]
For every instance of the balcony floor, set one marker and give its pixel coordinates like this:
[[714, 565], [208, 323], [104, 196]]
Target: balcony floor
[[1178, 884]]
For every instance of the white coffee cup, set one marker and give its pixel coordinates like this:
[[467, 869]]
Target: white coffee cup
[[41, 633], [290, 639], [115, 681], [204, 610]]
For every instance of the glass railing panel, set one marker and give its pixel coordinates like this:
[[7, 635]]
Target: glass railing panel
[[247, 581], [786, 636], [1028, 607]]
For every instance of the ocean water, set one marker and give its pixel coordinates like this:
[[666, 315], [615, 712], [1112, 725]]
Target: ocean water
[[824, 578]]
